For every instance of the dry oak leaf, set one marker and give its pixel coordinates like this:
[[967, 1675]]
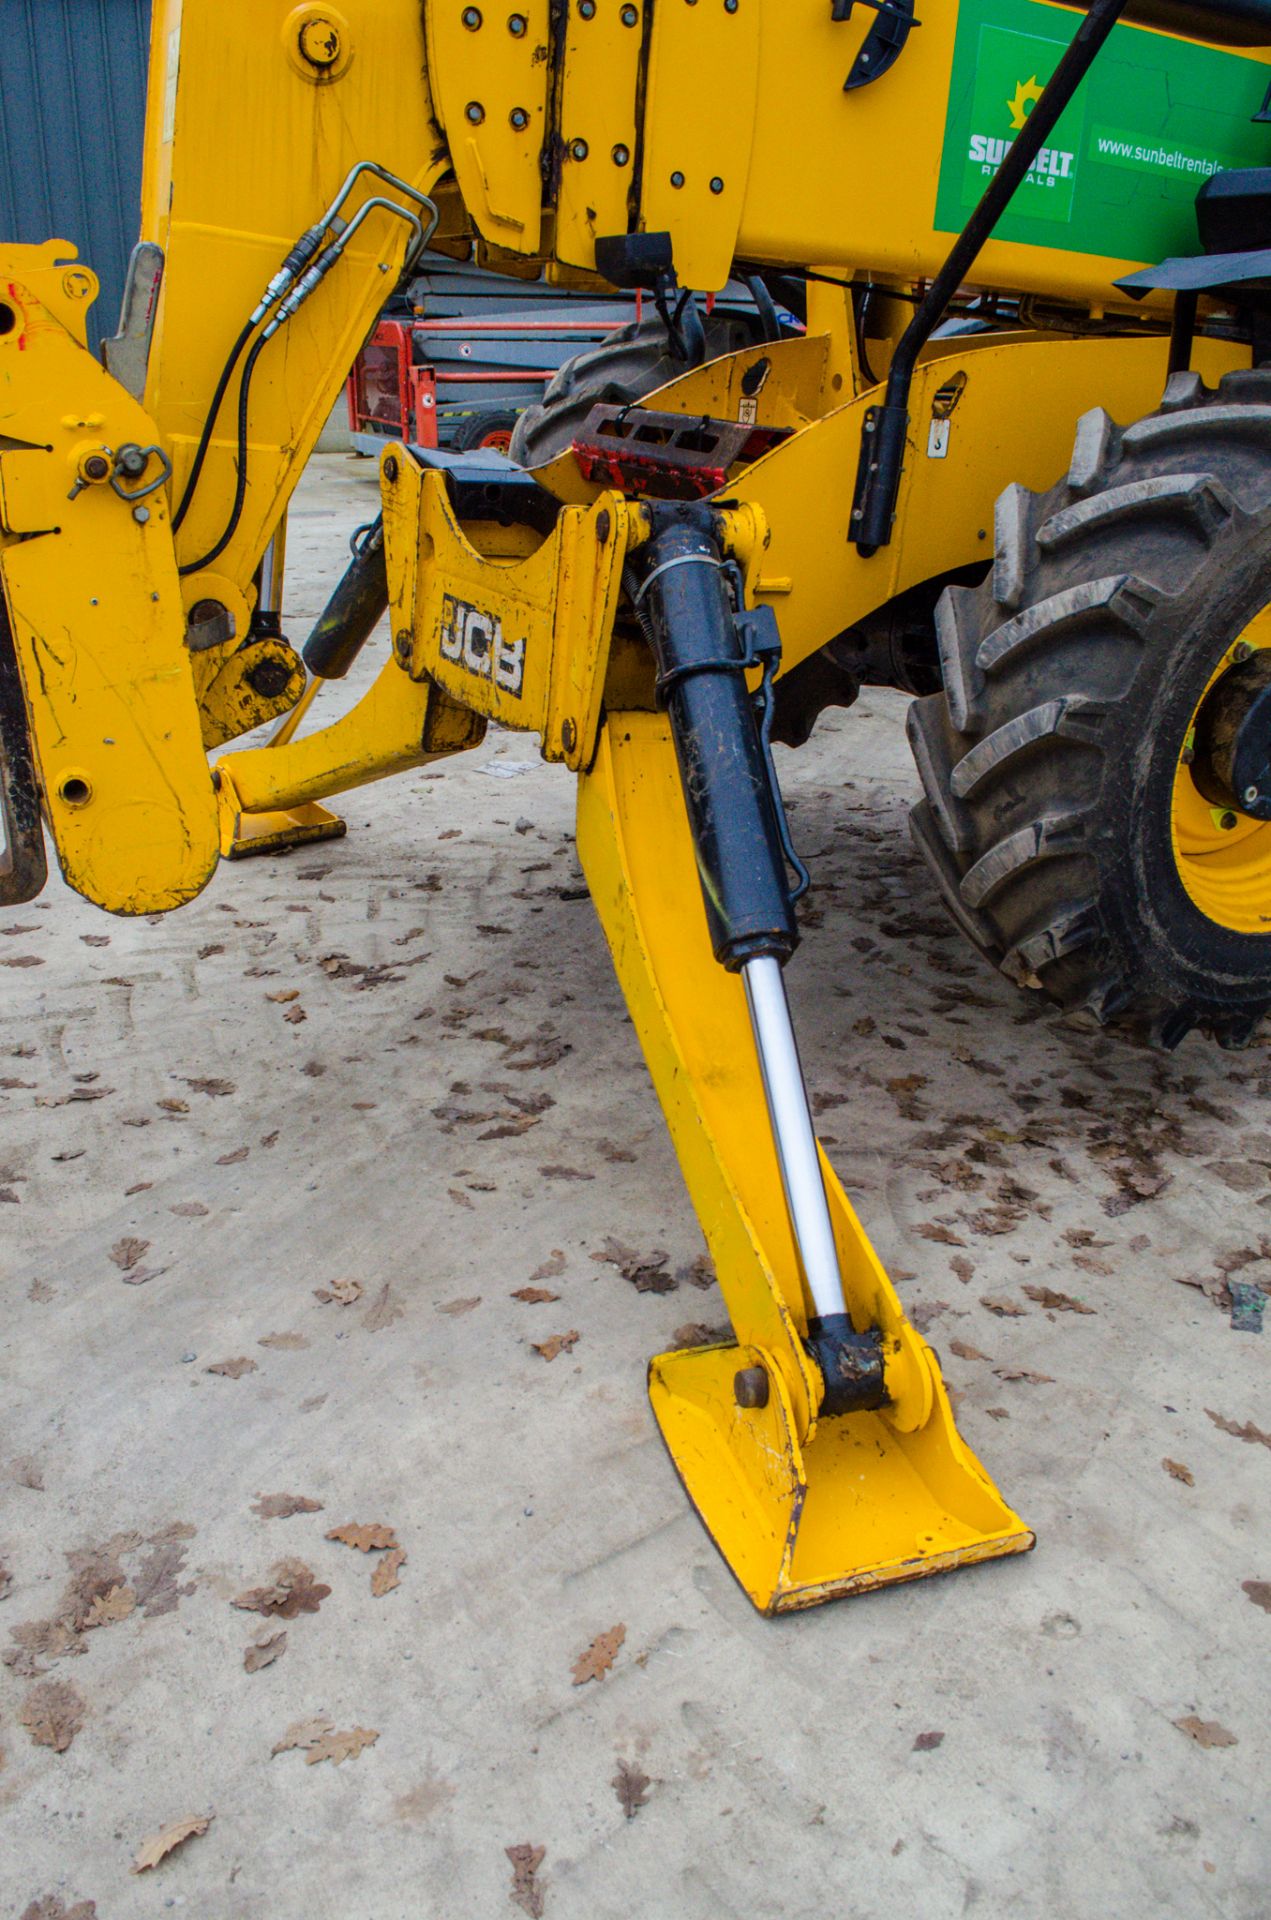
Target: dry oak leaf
[[1254, 1435], [373, 1538], [382, 1311], [551, 1268], [53, 1907], [1259, 1591], [303, 1733], [526, 1893], [294, 1015], [558, 1343], [631, 1787], [109, 1607], [264, 1650], [233, 1369], [966, 1352], [292, 1590], [284, 998], [341, 1293], [283, 1342], [459, 1306], [168, 1838], [1177, 1471], [1206, 1733], [385, 1576], [233, 1159], [281, 1506], [595, 1663], [1022, 1373], [1057, 1302], [928, 1742], [126, 1252], [1004, 1309], [53, 1713], [337, 1747], [532, 1296]]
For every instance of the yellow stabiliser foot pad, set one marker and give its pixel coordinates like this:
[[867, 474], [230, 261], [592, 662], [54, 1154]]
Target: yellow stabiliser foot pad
[[272, 832], [860, 1505]]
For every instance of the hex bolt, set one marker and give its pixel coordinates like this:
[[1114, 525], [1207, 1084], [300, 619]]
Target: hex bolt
[[750, 1388], [516, 25], [586, 9], [628, 16], [390, 468], [1241, 652], [96, 467], [519, 119], [677, 178], [621, 155], [578, 149], [141, 515], [717, 185], [474, 112], [471, 18]]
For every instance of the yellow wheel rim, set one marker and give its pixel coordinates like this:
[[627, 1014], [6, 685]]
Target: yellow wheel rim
[[1225, 869]]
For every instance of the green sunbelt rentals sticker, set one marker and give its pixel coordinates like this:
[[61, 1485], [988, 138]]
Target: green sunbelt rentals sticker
[[1152, 120]]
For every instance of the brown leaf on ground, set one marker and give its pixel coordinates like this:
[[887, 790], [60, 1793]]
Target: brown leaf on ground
[[944, 1236], [233, 1369], [126, 1252], [53, 1714], [1004, 1309], [283, 1342], [284, 998], [1177, 1471], [631, 1787], [1057, 1302], [6, 1581], [1254, 1435], [22, 960], [1259, 1591], [53, 1907], [548, 1269], [281, 1506], [341, 1293], [303, 1733], [596, 1661], [215, 1089], [337, 1747], [109, 1607], [966, 1352], [558, 1343], [461, 1199], [526, 1892], [294, 1015], [173, 1106], [1090, 1263], [234, 1158], [647, 1272], [155, 1582], [928, 1742], [532, 1296], [264, 1650], [386, 1573], [694, 1333], [174, 1835], [373, 1538], [382, 1311], [459, 1306], [189, 1209], [292, 1590], [1206, 1733], [963, 1269], [1022, 1373]]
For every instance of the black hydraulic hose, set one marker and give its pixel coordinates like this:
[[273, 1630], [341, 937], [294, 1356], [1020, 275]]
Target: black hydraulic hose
[[350, 615], [240, 489], [209, 425]]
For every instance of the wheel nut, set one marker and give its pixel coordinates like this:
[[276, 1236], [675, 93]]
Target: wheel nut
[[1241, 652], [750, 1388]]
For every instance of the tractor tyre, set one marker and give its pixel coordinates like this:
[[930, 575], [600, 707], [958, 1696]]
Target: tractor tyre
[[618, 372], [493, 429], [1101, 690]]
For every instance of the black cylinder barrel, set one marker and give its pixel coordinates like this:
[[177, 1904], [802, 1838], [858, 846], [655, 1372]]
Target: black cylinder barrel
[[679, 589], [350, 615]]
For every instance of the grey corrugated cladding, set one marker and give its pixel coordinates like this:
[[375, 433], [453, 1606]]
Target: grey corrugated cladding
[[72, 111]]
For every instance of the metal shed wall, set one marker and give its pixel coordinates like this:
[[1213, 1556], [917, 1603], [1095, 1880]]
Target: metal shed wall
[[72, 111]]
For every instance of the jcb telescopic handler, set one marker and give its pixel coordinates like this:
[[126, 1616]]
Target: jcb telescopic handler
[[1018, 465]]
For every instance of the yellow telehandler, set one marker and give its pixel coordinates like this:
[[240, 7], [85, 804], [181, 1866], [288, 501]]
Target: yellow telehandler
[[998, 436]]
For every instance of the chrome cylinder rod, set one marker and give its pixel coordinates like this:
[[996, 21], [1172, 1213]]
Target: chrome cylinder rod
[[792, 1131]]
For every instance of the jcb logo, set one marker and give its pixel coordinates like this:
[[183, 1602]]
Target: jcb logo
[[474, 640]]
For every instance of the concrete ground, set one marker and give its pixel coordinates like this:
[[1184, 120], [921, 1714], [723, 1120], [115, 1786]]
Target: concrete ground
[[402, 1061]]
